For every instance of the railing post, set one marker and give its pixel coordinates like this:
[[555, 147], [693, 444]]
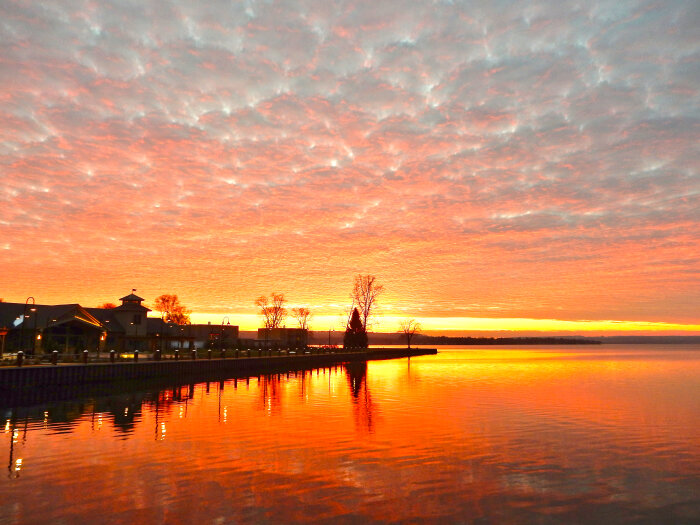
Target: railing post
[[54, 357], [177, 354], [156, 355], [20, 358], [112, 356], [136, 356], [194, 355], [209, 354], [223, 354], [85, 356]]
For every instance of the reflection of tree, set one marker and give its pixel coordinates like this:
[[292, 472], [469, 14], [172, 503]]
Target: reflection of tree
[[363, 409], [126, 412], [270, 393]]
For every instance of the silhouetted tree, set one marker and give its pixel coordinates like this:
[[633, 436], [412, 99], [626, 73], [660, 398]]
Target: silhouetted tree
[[355, 333], [364, 295], [171, 309], [273, 311], [108, 306], [302, 316], [410, 328]]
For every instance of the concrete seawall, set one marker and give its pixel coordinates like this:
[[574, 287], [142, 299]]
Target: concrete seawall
[[33, 383]]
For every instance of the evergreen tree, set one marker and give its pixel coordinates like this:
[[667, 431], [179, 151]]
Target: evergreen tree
[[355, 333]]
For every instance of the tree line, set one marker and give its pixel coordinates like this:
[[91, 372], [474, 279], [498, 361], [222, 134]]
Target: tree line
[[360, 315]]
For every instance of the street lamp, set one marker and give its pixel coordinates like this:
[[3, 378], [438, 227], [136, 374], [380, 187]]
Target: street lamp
[[163, 329], [221, 337], [34, 336], [24, 320]]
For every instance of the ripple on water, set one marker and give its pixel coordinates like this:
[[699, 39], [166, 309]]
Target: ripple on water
[[454, 438]]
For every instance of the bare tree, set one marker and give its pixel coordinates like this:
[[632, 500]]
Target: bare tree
[[364, 295], [273, 311], [410, 328], [171, 309], [108, 306], [303, 316]]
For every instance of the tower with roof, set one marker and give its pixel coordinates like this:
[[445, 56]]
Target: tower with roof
[[131, 315]]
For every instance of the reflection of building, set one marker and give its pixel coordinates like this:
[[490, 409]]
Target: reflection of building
[[284, 337], [70, 328]]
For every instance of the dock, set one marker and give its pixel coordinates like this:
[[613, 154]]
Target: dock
[[38, 383]]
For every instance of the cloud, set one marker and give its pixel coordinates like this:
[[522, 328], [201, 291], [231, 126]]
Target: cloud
[[534, 156]]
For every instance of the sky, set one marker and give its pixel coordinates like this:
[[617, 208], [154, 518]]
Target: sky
[[497, 165]]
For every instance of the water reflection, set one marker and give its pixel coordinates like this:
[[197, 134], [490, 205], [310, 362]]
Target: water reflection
[[14, 465], [458, 437], [124, 412], [356, 374]]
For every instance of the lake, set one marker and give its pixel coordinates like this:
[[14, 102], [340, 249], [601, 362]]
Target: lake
[[579, 434]]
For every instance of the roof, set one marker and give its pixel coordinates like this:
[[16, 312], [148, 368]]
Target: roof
[[131, 297], [132, 303], [10, 312], [107, 318], [12, 315]]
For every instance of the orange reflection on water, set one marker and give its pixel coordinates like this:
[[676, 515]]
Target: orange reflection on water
[[461, 435]]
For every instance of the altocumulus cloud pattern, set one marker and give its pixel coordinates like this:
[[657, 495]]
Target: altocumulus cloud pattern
[[514, 159]]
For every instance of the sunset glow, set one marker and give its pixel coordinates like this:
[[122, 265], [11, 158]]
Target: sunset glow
[[527, 167]]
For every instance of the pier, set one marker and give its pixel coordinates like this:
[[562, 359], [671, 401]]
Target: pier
[[38, 383]]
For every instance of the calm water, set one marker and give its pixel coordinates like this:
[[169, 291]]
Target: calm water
[[527, 435]]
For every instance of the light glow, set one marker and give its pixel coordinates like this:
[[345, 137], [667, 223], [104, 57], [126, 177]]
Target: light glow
[[536, 162]]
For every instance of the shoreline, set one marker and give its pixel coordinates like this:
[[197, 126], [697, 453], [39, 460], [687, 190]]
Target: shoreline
[[39, 383]]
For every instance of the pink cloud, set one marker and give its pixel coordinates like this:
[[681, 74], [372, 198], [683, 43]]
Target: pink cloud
[[539, 160]]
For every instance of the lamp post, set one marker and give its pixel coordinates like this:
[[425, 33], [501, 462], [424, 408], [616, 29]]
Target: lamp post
[[3, 334], [221, 337], [34, 336], [24, 320], [162, 326]]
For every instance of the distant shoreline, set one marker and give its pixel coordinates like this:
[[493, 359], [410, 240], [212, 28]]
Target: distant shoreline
[[572, 340], [388, 338], [481, 341]]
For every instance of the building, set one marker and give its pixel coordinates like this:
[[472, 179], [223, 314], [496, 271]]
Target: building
[[39, 328], [71, 328], [284, 337], [126, 324]]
